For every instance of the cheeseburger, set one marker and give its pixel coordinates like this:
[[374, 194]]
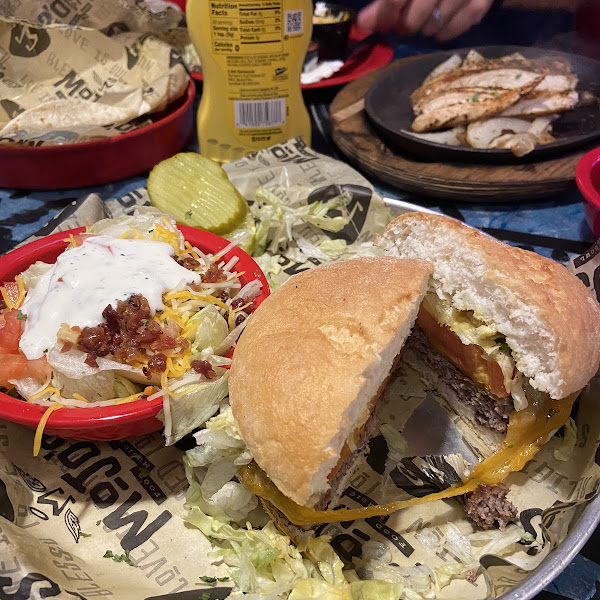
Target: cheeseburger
[[506, 336], [308, 371]]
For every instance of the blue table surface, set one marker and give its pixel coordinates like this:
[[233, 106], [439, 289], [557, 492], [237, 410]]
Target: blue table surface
[[554, 227]]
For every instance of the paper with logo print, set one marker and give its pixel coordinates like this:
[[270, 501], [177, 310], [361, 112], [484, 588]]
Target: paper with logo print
[[163, 19], [64, 83], [86, 519]]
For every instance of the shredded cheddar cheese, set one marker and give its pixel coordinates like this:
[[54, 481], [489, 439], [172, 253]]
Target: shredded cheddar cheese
[[71, 241], [191, 250], [79, 397], [37, 440], [14, 298], [162, 234], [49, 389]]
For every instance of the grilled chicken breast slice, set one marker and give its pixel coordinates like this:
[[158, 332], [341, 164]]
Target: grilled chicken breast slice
[[451, 109], [542, 104]]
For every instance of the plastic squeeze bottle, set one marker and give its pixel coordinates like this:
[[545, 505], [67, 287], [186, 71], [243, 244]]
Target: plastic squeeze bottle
[[252, 54]]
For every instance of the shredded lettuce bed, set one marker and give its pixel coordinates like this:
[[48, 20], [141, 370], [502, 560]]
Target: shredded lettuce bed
[[299, 231], [263, 563]]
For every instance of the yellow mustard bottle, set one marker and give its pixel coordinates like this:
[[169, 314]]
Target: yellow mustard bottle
[[252, 54]]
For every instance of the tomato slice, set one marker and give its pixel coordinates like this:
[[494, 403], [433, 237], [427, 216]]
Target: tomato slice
[[469, 358]]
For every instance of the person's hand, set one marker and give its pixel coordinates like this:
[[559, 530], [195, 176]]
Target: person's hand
[[442, 19]]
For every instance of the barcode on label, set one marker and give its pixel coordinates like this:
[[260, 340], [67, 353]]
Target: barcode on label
[[259, 113], [293, 22]]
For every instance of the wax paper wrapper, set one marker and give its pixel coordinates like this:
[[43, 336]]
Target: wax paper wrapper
[[67, 83], [165, 20], [63, 512]]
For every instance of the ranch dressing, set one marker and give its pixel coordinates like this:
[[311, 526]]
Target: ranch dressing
[[86, 279]]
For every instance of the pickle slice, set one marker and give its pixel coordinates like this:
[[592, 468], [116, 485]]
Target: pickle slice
[[196, 191]]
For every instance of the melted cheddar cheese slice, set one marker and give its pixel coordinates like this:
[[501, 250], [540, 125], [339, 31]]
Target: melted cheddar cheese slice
[[528, 431]]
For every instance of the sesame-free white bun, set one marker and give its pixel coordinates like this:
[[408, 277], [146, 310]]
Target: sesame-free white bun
[[312, 360], [550, 320]]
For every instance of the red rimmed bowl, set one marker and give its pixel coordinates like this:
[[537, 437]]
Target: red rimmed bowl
[[587, 176], [107, 422], [100, 161]]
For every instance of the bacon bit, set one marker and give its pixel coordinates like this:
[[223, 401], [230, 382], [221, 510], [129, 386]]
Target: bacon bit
[[171, 329], [66, 346], [90, 361], [157, 363], [213, 275], [203, 367], [188, 263], [165, 342], [129, 328], [95, 340], [239, 302]]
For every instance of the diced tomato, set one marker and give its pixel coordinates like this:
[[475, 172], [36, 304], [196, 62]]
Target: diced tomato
[[37, 368], [469, 358], [11, 329], [12, 366]]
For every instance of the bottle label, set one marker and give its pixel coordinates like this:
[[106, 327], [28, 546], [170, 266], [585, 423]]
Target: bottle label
[[252, 26], [252, 53], [294, 22], [259, 113]]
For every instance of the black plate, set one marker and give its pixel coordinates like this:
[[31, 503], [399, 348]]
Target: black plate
[[387, 104]]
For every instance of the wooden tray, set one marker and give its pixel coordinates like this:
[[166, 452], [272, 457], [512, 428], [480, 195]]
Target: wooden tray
[[360, 142]]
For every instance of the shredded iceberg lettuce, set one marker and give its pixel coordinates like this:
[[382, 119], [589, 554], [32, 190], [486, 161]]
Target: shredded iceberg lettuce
[[34, 272], [211, 465], [265, 561], [422, 582], [295, 231], [143, 222], [190, 402], [261, 561], [211, 329]]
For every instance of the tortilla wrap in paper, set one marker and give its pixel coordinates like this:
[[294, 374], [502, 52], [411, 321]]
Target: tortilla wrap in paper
[[65, 83], [62, 512]]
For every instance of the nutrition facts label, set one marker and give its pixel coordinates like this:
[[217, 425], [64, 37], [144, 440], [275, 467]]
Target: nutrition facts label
[[251, 27]]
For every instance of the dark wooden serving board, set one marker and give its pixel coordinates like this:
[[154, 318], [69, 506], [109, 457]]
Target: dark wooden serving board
[[360, 142]]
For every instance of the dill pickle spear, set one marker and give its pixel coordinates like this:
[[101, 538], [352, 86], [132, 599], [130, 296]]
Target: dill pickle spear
[[197, 192]]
